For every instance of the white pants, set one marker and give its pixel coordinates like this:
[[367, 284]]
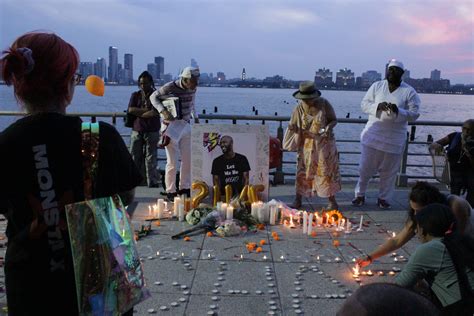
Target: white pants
[[179, 148], [386, 164]]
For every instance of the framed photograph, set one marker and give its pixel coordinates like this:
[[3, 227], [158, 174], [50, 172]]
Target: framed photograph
[[230, 155]]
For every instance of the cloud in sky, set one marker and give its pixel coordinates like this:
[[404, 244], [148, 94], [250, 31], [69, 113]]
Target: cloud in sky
[[444, 23], [267, 37]]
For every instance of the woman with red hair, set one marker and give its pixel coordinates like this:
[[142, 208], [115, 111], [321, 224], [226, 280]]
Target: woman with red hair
[[41, 168]]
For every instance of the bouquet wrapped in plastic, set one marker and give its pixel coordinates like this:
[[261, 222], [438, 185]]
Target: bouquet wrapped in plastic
[[108, 272]]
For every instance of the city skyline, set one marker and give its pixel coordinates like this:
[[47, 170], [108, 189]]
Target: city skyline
[[157, 69], [284, 38]]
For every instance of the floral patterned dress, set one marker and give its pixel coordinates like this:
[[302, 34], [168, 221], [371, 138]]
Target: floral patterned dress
[[317, 170]]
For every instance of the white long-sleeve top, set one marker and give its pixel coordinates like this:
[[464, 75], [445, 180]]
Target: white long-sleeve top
[[383, 131]]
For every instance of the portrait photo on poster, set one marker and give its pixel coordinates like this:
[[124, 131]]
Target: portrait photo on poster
[[230, 155]]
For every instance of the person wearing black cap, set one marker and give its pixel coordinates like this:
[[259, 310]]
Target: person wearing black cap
[[313, 120]]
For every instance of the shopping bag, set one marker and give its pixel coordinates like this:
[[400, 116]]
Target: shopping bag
[[108, 272], [290, 140]]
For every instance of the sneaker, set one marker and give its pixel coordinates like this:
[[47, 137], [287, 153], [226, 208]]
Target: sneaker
[[383, 204], [185, 191], [358, 201], [170, 196]]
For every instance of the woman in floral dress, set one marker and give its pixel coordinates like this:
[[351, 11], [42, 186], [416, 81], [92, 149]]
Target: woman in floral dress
[[317, 170]]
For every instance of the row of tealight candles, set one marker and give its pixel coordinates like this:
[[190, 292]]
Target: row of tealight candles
[[157, 210]]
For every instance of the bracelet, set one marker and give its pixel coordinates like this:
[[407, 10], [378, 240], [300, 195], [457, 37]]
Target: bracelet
[[369, 258]]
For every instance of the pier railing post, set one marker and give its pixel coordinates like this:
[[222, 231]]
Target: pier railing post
[[402, 179], [279, 177]]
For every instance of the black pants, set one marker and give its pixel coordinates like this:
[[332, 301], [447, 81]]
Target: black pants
[[461, 180]]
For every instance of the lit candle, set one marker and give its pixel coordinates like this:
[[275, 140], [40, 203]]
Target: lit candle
[[360, 224], [310, 224], [264, 257], [150, 212], [305, 222], [370, 273], [273, 214], [349, 226], [181, 210], [393, 234], [327, 219], [158, 253], [230, 212], [223, 210], [219, 205], [261, 213], [342, 223], [254, 209], [160, 208], [176, 206]]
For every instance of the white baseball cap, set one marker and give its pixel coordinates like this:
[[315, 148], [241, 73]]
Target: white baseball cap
[[190, 72], [396, 63]]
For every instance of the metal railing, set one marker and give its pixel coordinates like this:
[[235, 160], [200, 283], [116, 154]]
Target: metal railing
[[279, 174]]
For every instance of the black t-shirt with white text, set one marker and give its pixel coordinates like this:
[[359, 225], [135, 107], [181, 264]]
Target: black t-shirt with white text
[[41, 164], [230, 171]]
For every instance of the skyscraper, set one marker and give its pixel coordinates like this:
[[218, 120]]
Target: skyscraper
[[113, 64], [152, 68], [86, 68], [128, 68], [100, 68], [435, 74], [160, 67], [369, 77], [345, 78], [194, 63], [244, 75], [323, 78]]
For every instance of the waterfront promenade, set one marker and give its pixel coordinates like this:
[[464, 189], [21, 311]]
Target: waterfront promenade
[[286, 278], [297, 274]]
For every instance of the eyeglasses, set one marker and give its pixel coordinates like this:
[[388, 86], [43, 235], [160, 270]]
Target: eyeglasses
[[77, 78]]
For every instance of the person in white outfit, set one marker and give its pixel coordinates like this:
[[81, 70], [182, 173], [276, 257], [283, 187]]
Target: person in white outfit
[[178, 128], [390, 104]]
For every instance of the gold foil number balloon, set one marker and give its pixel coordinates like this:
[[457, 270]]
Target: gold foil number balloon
[[203, 192], [228, 193], [217, 195], [95, 85]]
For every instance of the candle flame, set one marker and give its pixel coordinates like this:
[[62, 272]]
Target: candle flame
[[182, 254], [356, 270], [158, 253], [393, 234], [292, 224]]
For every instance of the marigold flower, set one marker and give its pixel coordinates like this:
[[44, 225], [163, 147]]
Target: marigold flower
[[157, 223], [260, 226], [336, 243], [313, 234], [209, 234], [187, 238], [259, 249], [263, 242]]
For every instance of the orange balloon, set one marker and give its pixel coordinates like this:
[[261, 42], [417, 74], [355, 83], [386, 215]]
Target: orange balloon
[[95, 85]]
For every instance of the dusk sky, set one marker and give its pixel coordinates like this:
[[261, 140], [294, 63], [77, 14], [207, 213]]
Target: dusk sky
[[290, 38]]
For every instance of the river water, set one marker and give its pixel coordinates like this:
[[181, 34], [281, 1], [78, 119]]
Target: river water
[[240, 101]]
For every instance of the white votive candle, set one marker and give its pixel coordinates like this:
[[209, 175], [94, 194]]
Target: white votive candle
[[176, 206], [305, 222], [310, 223], [230, 212]]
